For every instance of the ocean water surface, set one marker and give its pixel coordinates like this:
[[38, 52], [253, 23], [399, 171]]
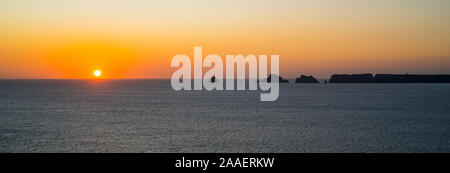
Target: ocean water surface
[[149, 116]]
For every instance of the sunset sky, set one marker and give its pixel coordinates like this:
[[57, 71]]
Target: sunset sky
[[138, 38]]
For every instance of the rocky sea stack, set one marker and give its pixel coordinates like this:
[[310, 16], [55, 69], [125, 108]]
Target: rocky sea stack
[[306, 79], [280, 79]]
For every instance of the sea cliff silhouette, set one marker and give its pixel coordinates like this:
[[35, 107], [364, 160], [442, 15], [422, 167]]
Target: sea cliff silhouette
[[412, 78], [353, 78], [389, 78]]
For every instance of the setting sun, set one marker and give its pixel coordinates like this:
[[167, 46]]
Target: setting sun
[[97, 73]]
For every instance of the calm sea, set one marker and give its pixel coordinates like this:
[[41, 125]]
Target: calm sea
[[148, 116]]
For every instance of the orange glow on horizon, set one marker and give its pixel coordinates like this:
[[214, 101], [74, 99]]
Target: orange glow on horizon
[[74, 60]]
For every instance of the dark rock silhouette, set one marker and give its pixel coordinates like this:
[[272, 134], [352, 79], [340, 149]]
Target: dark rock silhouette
[[280, 79], [412, 78], [353, 78], [306, 79]]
